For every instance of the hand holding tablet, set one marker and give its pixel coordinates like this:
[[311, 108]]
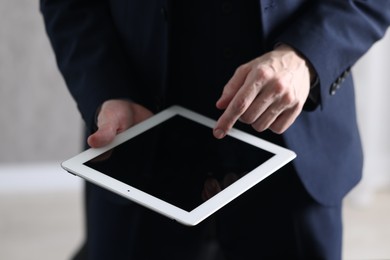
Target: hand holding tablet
[[114, 117], [181, 176]]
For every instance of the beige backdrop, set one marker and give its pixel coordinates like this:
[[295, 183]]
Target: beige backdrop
[[38, 118]]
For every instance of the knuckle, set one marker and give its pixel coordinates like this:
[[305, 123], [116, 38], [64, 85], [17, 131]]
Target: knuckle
[[242, 68], [274, 112], [247, 119], [277, 129], [264, 73], [288, 98], [279, 86], [257, 128]]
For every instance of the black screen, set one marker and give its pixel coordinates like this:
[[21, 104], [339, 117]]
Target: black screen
[[180, 162]]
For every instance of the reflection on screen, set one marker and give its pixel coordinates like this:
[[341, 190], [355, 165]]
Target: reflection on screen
[[180, 162]]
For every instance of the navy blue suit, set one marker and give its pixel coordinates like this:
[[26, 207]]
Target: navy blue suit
[[134, 50]]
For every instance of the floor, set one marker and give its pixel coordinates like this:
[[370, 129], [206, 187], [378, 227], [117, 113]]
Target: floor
[[41, 217]]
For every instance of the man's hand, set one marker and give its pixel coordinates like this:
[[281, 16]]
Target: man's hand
[[116, 116], [268, 92]]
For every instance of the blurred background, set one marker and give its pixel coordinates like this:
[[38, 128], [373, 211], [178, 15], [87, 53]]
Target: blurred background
[[41, 214]]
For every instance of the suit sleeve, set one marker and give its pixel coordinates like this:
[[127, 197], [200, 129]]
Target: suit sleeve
[[334, 34], [88, 52]]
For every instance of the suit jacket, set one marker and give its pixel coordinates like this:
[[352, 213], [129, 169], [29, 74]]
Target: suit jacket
[[121, 49]]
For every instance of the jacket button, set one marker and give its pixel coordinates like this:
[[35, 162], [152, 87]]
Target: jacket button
[[333, 88], [337, 84], [345, 74]]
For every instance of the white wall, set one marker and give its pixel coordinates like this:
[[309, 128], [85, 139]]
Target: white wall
[[372, 77], [38, 118]]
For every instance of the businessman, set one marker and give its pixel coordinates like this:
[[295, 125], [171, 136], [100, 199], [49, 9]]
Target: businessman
[[276, 69]]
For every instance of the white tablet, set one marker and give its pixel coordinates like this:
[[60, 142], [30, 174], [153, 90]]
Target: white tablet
[[172, 164]]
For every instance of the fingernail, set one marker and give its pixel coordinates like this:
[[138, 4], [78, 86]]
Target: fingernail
[[219, 133]]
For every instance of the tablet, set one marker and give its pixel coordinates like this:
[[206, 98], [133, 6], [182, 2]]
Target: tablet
[[172, 164]]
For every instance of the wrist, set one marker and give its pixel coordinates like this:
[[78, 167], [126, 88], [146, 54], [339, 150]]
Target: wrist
[[312, 73]]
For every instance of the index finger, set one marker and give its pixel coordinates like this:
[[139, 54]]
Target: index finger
[[239, 104]]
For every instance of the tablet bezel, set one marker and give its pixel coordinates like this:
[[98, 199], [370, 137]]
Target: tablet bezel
[[282, 156]]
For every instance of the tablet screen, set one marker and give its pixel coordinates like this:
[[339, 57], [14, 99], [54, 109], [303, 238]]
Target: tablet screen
[[180, 162]]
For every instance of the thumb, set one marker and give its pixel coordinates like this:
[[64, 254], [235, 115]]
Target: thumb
[[103, 136], [108, 125], [114, 117]]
